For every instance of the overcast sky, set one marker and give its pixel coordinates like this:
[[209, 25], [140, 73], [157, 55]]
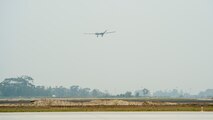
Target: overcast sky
[[158, 44]]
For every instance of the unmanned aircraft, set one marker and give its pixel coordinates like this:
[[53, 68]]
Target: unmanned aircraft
[[100, 33]]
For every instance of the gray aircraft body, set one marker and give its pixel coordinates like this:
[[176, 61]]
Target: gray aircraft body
[[101, 33]]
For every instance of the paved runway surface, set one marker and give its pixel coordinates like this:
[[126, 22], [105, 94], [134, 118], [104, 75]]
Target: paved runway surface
[[108, 116]]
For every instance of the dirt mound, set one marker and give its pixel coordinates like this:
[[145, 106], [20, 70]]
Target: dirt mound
[[60, 102], [109, 102], [50, 102]]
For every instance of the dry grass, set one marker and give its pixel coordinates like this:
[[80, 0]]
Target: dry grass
[[75, 105]]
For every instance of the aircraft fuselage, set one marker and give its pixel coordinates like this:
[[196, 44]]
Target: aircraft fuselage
[[102, 34]]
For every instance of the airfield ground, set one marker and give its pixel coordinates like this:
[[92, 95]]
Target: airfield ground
[[136, 104]]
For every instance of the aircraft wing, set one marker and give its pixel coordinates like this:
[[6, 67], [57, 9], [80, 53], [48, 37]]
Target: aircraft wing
[[90, 33], [110, 32]]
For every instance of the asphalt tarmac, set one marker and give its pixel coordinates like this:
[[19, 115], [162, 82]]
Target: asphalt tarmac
[[107, 116]]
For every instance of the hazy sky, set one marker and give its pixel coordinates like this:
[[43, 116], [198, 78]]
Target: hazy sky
[[158, 44]]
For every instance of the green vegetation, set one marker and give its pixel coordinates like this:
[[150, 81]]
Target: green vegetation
[[23, 87], [104, 108]]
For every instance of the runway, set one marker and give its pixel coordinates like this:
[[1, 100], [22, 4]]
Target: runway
[[107, 116]]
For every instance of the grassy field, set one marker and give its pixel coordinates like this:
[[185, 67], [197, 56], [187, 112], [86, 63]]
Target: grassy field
[[104, 108]]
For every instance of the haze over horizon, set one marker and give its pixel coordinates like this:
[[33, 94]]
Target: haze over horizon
[[157, 45]]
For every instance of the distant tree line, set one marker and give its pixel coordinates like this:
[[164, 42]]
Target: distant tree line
[[23, 87]]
